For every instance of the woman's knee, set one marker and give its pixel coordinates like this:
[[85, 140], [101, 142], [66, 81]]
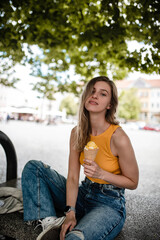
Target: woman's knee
[[30, 166]]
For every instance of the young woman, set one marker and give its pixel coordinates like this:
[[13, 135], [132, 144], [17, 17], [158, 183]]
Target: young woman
[[95, 209]]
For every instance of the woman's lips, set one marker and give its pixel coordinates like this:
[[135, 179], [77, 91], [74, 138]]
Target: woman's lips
[[93, 103]]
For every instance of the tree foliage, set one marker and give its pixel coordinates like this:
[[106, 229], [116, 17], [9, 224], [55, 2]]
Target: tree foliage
[[90, 35], [129, 105], [69, 104]]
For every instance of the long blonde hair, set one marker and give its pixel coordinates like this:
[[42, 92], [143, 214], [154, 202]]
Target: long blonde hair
[[83, 129]]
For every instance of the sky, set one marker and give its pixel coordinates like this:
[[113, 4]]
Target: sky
[[23, 72], [24, 84]]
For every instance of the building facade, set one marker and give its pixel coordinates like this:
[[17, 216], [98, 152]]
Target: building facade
[[148, 93], [19, 106]]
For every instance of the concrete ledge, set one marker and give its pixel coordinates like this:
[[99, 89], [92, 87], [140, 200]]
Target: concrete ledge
[[12, 225]]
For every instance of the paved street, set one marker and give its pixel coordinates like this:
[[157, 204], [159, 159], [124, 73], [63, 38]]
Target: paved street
[[50, 144], [37, 141]]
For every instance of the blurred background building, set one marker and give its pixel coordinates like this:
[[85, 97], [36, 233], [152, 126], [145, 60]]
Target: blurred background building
[[16, 105], [148, 93]]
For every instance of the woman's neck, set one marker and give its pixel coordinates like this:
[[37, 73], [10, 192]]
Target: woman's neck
[[98, 125]]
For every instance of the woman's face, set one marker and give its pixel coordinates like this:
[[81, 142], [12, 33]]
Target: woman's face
[[100, 98]]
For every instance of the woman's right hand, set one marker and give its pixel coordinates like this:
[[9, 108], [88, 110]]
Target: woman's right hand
[[69, 223]]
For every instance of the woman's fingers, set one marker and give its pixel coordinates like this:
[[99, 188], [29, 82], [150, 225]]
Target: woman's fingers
[[69, 224]]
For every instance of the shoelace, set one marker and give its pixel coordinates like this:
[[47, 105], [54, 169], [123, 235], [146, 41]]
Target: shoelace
[[32, 223], [40, 224], [44, 223]]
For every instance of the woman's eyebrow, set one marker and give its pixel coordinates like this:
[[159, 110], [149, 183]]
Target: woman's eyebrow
[[104, 90]]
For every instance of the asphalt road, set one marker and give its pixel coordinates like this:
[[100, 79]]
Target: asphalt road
[[51, 143]]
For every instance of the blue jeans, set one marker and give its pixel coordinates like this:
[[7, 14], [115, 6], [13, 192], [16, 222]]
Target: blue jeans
[[100, 208]]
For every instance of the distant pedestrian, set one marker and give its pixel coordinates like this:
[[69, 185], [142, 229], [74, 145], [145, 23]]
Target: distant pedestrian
[[95, 209], [7, 118]]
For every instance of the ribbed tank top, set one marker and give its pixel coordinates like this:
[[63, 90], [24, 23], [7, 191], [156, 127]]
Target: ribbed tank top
[[105, 159]]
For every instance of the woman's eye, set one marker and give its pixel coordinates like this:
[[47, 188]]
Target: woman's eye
[[103, 94]]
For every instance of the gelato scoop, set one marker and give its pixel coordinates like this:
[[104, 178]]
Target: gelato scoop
[[90, 150]]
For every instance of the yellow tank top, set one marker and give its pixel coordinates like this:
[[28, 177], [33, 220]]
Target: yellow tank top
[[105, 159]]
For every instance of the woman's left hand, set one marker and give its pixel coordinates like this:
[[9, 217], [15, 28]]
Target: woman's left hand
[[91, 169]]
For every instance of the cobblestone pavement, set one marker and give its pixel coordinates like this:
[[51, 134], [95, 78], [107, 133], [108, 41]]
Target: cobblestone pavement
[[51, 144]]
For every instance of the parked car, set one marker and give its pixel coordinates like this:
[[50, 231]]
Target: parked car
[[152, 127], [134, 125]]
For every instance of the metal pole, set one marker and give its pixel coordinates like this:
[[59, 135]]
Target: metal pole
[[11, 156]]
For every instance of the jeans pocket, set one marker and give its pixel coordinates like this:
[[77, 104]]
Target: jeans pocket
[[112, 193], [111, 198]]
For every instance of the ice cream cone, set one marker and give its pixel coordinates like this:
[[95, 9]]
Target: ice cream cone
[[90, 154]]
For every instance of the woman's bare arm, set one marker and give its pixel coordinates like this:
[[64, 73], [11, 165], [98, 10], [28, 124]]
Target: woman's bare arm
[[73, 174], [72, 187]]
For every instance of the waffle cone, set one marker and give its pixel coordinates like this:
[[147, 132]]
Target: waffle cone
[[90, 154]]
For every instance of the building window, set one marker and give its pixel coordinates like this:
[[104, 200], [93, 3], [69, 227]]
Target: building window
[[144, 104], [145, 94]]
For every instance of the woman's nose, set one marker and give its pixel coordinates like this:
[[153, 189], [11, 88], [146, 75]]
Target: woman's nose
[[95, 95]]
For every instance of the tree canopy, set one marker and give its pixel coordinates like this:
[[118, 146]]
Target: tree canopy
[[69, 104], [89, 35], [129, 105]]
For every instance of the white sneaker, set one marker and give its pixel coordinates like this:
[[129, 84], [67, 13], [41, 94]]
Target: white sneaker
[[49, 224]]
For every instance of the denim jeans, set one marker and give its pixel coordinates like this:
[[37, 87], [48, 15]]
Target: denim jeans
[[100, 208]]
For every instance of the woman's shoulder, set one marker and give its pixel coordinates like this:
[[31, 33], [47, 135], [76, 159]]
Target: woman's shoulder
[[73, 134], [74, 130], [120, 137]]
